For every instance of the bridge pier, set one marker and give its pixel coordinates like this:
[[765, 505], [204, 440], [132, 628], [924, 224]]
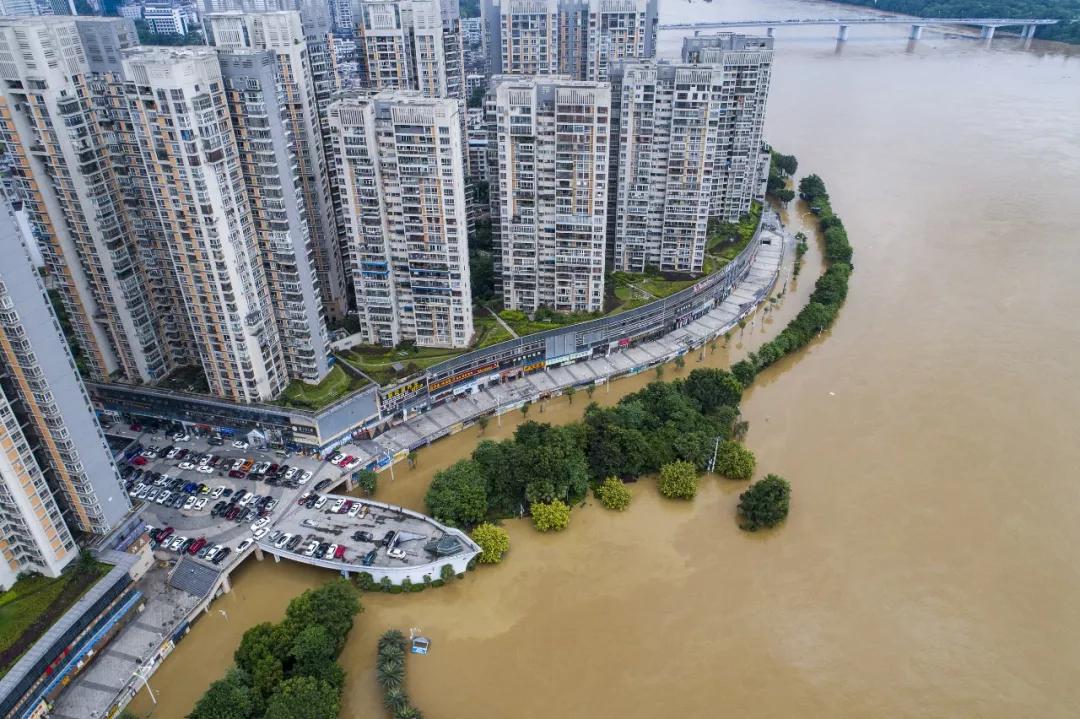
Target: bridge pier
[[916, 32], [988, 32], [769, 31], [277, 559], [258, 553], [842, 34], [226, 585], [1029, 32]]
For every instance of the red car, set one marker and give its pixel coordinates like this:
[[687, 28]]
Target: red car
[[346, 460], [236, 474], [164, 534], [197, 545], [303, 498], [345, 507], [339, 553], [138, 460], [135, 427]]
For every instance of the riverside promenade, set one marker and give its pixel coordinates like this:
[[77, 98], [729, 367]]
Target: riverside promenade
[[454, 415]]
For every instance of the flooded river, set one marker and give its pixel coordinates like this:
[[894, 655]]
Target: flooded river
[[929, 567]]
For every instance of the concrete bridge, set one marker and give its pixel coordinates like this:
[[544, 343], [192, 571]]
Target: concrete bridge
[[988, 25]]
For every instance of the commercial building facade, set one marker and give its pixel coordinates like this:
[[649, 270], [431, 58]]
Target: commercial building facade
[[400, 162], [56, 471], [549, 149], [747, 65], [664, 143]]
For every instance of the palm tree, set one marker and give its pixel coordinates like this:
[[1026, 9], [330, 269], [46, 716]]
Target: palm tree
[[483, 422], [525, 410], [409, 712], [680, 362], [590, 390], [390, 674], [395, 700], [660, 371], [570, 391], [411, 457]]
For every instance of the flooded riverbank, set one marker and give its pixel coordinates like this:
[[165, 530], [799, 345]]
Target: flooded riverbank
[[927, 566]]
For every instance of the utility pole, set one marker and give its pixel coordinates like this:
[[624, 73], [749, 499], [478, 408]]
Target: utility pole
[[716, 449]]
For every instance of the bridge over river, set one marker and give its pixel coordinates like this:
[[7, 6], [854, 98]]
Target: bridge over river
[[988, 24]]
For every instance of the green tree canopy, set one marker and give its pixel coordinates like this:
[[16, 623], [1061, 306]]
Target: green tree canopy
[[734, 461], [228, 698], [613, 494], [551, 516], [458, 495], [494, 542], [304, 697], [678, 480], [765, 504], [713, 388]]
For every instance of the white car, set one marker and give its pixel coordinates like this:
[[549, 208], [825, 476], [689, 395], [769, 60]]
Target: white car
[[335, 457], [395, 553], [171, 454], [181, 437], [304, 477], [238, 463], [260, 533], [292, 472], [282, 540], [211, 552], [186, 465], [259, 524], [311, 547], [217, 491], [143, 492], [200, 503], [240, 444], [163, 497], [205, 459], [310, 523], [244, 545], [136, 489], [204, 469], [175, 546], [260, 468], [189, 503], [331, 551], [355, 509], [320, 503], [270, 504], [337, 506]]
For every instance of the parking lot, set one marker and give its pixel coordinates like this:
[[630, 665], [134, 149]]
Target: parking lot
[[173, 497]]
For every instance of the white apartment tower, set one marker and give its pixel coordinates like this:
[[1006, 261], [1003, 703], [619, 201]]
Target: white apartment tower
[[578, 38], [60, 112], [197, 176], [402, 186], [663, 145], [56, 471], [411, 45], [549, 148], [747, 65], [263, 103], [282, 33]]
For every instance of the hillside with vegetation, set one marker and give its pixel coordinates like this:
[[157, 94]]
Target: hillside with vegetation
[[1068, 11]]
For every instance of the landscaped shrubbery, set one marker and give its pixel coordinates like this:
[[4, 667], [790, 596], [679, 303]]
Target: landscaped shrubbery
[[678, 480], [613, 494], [553, 516], [289, 669], [494, 542], [390, 673], [734, 461]]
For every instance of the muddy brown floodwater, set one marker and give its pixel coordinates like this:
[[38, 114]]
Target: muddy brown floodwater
[[929, 567]]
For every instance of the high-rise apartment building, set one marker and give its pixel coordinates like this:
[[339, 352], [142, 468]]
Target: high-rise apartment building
[[56, 471], [663, 146], [282, 33], [747, 65], [63, 121], [196, 174], [549, 145], [401, 170], [579, 38], [263, 105], [411, 44]]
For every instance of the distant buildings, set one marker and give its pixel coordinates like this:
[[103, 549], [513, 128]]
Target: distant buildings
[[165, 19], [56, 470], [579, 38], [402, 188], [549, 147]]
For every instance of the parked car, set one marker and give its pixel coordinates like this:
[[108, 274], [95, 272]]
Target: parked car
[[177, 543], [164, 534], [282, 540], [320, 551], [240, 444], [259, 524], [362, 536], [135, 427], [186, 545], [293, 543], [336, 509], [344, 461], [369, 558], [335, 457], [355, 509], [163, 498], [311, 547], [351, 463], [221, 554], [291, 472], [201, 554], [311, 523], [259, 534], [244, 545], [186, 465], [204, 469], [181, 437], [319, 504], [304, 476], [200, 503], [388, 538], [215, 440], [216, 492], [138, 460], [322, 484], [310, 503], [339, 551], [236, 474], [303, 498], [178, 501]]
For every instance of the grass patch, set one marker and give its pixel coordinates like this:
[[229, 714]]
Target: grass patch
[[336, 385], [489, 332], [185, 379], [33, 603]]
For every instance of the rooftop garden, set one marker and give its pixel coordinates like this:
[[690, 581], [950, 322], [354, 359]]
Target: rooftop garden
[[35, 602], [334, 386]]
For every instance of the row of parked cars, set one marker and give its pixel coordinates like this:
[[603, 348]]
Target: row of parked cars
[[245, 506], [313, 500], [310, 547], [345, 461], [168, 491], [165, 538]]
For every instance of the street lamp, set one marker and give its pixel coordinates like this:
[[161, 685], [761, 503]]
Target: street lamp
[[146, 684]]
